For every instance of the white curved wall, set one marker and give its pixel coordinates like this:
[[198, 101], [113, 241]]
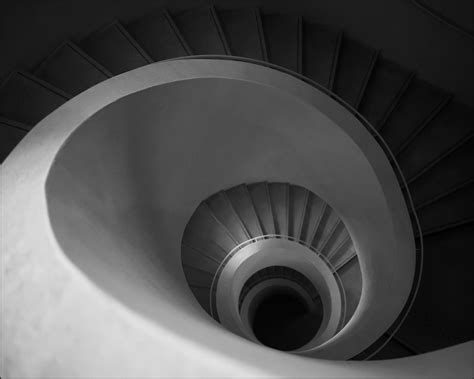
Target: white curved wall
[[118, 207]]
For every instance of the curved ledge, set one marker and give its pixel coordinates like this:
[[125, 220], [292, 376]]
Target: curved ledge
[[107, 213]]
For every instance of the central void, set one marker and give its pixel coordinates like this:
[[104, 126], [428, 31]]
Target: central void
[[284, 321]]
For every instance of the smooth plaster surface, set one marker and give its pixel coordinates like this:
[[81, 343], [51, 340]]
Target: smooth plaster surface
[[103, 271]]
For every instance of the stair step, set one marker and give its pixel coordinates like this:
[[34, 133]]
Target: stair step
[[314, 213], [28, 99], [355, 64], [449, 128], [443, 310], [226, 214], [449, 173], [197, 276], [199, 261], [338, 237], [321, 45], [242, 28], [351, 278], [11, 133], [71, 69], [298, 202], [327, 227], [283, 40], [383, 90], [204, 232], [159, 36], [342, 253], [261, 200], [242, 203], [279, 196], [392, 350], [202, 296], [419, 103], [451, 209], [202, 31], [114, 48]]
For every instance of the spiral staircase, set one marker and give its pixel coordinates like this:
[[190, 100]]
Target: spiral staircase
[[425, 134]]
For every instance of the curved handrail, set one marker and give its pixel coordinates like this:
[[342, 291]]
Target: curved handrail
[[381, 342], [236, 249]]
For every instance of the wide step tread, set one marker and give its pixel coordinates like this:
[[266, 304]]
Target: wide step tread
[[449, 128], [202, 31], [282, 37], [417, 105], [321, 46], [451, 172], [28, 99], [243, 32], [432, 322], [11, 133], [71, 69], [383, 89], [158, 35], [354, 68], [115, 49], [449, 210]]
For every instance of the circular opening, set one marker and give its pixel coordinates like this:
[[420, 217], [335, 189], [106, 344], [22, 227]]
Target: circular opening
[[283, 320]]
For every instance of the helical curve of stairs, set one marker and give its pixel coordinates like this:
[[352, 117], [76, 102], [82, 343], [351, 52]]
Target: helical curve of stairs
[[423, 132]]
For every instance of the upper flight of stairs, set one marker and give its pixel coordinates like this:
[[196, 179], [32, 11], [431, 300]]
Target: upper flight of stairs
[[429, 132]]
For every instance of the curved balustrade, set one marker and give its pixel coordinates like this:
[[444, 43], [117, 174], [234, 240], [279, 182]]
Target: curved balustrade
[[381, 342], [235, 250]]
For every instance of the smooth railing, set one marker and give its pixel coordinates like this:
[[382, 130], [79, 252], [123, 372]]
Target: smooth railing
[[383, 340], [239, 247]]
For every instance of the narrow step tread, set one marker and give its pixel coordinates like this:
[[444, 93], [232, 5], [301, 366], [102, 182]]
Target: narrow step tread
[[261, 201], [321, 45], [298, 202], [282, 36], [242, 31], [159, 36], [114, 48], [355, 65], [312, 218], [351, 278], [226, 214], [71, 69], [326, 228], [202, 31], [28, 99], [204, 223], [279, 201], [242, 204]]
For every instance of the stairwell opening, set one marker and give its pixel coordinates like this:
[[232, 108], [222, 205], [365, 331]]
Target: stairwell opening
[[285, 310]]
